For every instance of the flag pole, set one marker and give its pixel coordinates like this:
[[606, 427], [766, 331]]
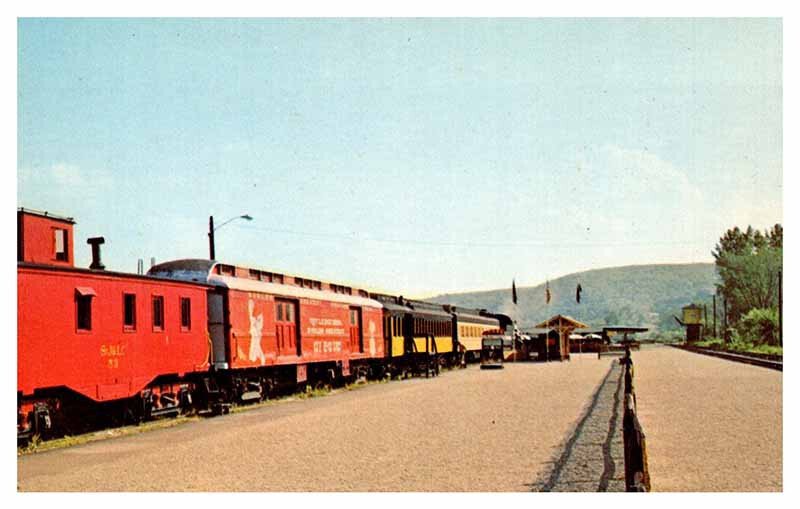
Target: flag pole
[[516, 316], [547, 324]]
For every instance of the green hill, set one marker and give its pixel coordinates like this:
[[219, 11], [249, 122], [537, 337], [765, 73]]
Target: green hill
[[647, 295]]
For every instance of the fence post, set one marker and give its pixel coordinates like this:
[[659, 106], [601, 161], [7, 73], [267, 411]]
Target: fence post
[[637, 477]]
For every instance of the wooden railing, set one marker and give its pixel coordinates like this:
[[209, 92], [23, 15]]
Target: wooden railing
[[637, 477]]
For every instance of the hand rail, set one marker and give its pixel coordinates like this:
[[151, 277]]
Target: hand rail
[[637, 477]]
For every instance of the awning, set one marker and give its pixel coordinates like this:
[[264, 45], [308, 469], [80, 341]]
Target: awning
[[85, 291]]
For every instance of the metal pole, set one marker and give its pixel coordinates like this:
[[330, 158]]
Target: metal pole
[[705, 320], [724, 315], [211, 254], [714, 301]]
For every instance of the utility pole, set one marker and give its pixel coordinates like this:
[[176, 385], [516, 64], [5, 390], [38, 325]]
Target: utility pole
[[211, 253], [780, 308], [714, 302], [725, 315]]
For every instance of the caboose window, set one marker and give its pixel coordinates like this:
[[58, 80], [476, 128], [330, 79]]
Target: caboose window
[[129, 311], [186, 313], [158, 312], [84, 311], [60, 244]]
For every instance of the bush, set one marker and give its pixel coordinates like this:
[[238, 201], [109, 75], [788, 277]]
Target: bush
[[759, 326]]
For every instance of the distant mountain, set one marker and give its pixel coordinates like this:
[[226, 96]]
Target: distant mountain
[[646, 295]]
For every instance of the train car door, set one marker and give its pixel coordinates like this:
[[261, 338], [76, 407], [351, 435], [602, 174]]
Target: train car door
[[356, 339], [286, 328], [216, 329]]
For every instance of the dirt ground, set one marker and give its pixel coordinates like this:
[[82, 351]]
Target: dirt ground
[[467, 430], [710, 424]]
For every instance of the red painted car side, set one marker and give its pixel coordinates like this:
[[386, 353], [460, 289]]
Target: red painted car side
[[109, 361], [261, 336]]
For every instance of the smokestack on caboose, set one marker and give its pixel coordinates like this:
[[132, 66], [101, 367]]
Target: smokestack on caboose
[[96, 242]]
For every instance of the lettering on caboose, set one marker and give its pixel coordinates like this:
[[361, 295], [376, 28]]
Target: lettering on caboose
[[111, 354]]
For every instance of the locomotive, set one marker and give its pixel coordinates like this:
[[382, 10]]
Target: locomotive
[[98, 347]]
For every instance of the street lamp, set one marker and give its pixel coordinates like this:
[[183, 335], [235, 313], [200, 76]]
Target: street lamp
[[212, 229]]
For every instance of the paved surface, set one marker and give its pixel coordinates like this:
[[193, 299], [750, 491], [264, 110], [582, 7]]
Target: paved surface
[[711, 424], [468, 430]]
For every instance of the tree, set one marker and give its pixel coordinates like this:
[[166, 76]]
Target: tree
[[759, 326], [748, 264]]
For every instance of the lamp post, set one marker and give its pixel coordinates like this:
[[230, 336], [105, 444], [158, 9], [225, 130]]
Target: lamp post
[[212, 229]]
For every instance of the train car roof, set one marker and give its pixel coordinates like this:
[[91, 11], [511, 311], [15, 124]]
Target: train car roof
[[252, 285], [107, 273], [419, 307], [202, 270]]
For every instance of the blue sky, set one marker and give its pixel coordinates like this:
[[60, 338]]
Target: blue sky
[[408, 155]]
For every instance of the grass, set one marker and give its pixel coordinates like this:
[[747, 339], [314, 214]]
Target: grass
[[740, 347], [37, 445]]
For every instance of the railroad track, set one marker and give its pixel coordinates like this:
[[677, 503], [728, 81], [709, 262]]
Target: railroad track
[[736, 357]]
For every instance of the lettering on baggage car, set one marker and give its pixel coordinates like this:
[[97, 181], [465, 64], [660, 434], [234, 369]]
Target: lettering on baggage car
[[325, 327], [327, 346]]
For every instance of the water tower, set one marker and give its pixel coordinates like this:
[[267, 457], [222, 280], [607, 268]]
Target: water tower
[[693, 321]]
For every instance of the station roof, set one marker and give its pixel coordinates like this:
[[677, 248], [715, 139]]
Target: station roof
[[561, 319], [537, 330], [609, 328], [624, 328]]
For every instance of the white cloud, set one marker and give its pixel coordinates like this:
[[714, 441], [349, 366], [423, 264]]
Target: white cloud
[[66, 174], [650, 168]]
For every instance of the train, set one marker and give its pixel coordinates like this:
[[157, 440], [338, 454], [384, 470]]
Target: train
[[97, 347]]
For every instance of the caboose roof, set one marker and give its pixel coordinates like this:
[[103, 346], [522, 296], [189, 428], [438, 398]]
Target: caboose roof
[[48, 215]]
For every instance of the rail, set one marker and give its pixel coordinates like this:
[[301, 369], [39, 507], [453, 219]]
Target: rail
[[637, 477], [755, 360]]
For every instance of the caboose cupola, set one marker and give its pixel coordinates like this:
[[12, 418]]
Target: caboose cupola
[[44, 238]]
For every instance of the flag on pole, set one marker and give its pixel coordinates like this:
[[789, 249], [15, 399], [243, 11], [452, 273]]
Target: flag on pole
[[578, 291], [514, 291], [547, 292]]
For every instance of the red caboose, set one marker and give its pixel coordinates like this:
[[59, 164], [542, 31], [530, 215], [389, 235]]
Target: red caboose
[[95, 341], [270, 329]]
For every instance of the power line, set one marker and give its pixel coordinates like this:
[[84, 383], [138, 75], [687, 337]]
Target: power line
[[541, 243]]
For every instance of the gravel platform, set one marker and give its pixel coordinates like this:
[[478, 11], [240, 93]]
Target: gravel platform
[[593, 458], [467, 430], [710, 424]]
